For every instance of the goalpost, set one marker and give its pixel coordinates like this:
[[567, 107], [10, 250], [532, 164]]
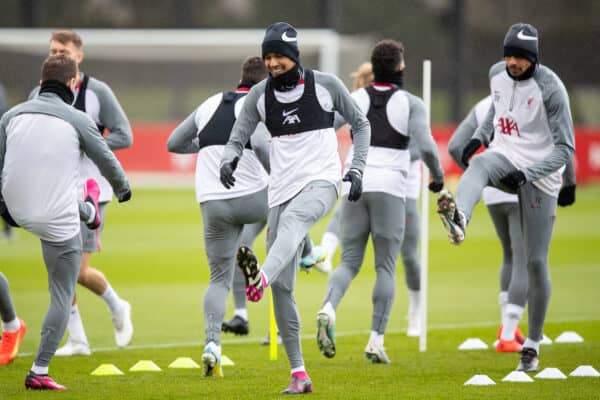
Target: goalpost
[[176, 44]]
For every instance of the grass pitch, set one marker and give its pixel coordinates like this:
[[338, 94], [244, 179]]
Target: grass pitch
[[153, 256]]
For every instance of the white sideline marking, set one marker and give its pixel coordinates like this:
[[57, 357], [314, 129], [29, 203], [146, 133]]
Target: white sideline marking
[[435, 327]]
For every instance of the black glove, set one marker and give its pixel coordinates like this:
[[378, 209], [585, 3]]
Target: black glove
[[354, 176], [226, 173], [514, 180], [125, 196], [435, 187], [6, 215], [566, 196], [469, 150]]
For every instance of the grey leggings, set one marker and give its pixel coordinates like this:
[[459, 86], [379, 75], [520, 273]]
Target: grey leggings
[[537, 214], [513, 274], [62, 261], [381, 216], [7, 309], [289, 224], [223, 224]]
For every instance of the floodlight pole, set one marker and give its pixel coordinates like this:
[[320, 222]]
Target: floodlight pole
[[425, 216]]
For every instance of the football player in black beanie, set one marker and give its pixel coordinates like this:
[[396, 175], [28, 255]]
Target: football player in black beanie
[[533, 139], [297, 105], [281, 55]]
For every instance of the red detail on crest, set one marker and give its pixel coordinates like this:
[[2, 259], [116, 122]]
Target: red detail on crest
[[529, 101]]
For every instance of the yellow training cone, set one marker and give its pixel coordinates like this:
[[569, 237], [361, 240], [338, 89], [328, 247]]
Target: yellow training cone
[[145, 365], [106, 370], [184, 362], [226, 361]]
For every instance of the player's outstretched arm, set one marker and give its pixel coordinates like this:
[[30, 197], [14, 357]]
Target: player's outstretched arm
[[420, 132], [113, 118], [461, 137], [349, 110], [94, 146], [184, 138]]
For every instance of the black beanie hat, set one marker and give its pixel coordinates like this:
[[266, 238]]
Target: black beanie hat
[[521, 40], [281, 38]]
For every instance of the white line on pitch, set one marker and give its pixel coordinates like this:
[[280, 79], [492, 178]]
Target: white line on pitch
[[436, 327]]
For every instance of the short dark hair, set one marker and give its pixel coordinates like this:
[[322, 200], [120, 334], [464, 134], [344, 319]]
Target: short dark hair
[[65, 36], [386, 56], [59, 68], [254, 70]]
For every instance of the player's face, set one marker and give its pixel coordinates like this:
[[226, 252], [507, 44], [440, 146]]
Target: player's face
[[67, 49], [517, 65], [278, 64]]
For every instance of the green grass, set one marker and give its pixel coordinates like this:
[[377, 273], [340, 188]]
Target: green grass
[[153, 256]]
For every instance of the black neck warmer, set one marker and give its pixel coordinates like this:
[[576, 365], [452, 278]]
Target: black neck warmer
[[59, 89], [246, 84], [288, 80], [396, 78], [526, 75]]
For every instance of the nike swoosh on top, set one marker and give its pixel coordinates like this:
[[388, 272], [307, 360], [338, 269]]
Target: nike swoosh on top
[[286, 38], [521, 35], [286, 113]]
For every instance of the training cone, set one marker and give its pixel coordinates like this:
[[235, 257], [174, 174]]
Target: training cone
[[546, 340], [585, 370], [184, 363], [480, 380], [551, 373], [517, 376], [569, 337], [226, 361], [473, 344], [107, 370], [145, 366]]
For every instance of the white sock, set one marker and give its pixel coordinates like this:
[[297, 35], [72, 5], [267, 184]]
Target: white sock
[[75, 326], [510, 321], [11, 326], [242, 313], [503, 301], [92, 212], [414, 302], [112, 299], [39, 370], [330, 242], [216, 348], [532, 344], [329, 310], [379, 340], [373, 338]]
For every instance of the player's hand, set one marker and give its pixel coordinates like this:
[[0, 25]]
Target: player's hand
[[435, 187], [226, 173], [125, 196], [469, 150], [566, 196], [514, 180], [354, 176]]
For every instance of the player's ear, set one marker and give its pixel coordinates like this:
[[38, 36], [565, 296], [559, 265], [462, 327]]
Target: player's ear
[[79, 57]]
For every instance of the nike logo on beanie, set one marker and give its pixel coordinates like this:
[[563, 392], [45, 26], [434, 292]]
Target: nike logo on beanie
[[521, 35]]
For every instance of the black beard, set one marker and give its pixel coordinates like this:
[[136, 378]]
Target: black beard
[[396, 78], [59, 89], [525, 75], [288, 80]]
